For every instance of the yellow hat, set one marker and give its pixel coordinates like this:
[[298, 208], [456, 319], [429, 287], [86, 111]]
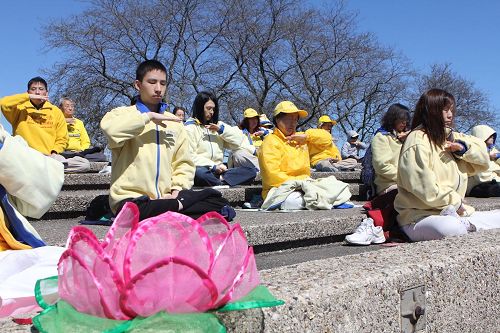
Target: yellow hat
[[288, 107], [250, 113], [325, 119]]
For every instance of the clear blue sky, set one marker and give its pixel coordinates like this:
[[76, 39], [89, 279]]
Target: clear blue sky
[[462, 32]]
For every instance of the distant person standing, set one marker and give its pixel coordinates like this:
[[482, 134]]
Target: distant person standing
[[34, 118], [351, 148]]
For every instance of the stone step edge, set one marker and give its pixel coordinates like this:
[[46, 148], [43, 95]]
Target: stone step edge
[[362, 292]]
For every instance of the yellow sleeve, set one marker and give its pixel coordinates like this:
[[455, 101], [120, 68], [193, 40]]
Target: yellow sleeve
[[382, 158], [9, 104], [182, 164], [233, 137], [416, 176], [61, 132], [318, 138], [84, 137], [270, 155], [476, 159], [122, 124]]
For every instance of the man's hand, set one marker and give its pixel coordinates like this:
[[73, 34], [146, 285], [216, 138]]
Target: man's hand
[[493, 156], [213, 127], [333, 160], [70, 120], [160, 118], [220, 169], [39, 97], [461, 210], [298, 139], [258, 133], [453, 146]]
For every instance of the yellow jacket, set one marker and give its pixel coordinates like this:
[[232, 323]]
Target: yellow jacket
[[43, 129], [483, 132], [147, 159], [385, 156], [207, 146], [431, 178], [280, 161], [78, 137], [323, 147]]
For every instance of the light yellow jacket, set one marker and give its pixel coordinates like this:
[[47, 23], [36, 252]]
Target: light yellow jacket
[[483, 132], [207, 147], [43, 129], [323, 147], [385, 156], [78, 137], [280, 160], [431, 178], [147, 159]]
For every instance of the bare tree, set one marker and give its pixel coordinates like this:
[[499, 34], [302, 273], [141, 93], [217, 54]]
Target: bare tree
[[473, 105]]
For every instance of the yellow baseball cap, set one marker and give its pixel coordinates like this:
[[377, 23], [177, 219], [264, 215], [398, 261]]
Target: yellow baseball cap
[[288, 107], [325, 119], [250, 113]]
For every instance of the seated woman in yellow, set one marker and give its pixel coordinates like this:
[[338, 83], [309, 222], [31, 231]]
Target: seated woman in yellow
[[284, 154]]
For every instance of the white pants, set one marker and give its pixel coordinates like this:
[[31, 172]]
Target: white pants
[[242, 158], [437, 226]]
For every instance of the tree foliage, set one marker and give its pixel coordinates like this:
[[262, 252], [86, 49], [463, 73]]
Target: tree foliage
[[250, 53]]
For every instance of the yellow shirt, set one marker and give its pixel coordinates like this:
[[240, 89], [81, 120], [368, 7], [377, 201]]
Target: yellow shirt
[[280, 161], [385, 157], [431, 178], [147, 159], [43, 129], [322, 147], [78, 137]]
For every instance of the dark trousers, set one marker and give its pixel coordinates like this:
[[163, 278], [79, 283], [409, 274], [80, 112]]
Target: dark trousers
[[486, 190], [233, 176]]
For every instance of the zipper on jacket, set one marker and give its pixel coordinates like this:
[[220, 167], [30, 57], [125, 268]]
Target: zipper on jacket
[[157, 162]]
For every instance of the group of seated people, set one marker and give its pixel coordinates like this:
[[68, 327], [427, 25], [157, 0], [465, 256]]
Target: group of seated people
[[53, 131], [158, 156]]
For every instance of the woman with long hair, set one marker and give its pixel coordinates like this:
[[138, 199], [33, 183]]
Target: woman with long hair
[[433, 168], [208, 138]]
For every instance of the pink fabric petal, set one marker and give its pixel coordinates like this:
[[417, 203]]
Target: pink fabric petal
[[124, 222], [173, 285]]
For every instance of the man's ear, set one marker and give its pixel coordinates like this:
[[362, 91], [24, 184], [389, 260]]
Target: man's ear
[[137, 84]]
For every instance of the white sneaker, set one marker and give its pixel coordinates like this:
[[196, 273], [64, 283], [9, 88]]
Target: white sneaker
[[366, 233]]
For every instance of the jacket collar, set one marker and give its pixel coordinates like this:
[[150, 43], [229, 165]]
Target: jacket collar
[[144, 109]]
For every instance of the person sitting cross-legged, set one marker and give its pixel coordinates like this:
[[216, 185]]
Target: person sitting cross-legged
[[208, 138]]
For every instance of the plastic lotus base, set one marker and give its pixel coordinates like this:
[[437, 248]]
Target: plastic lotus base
[[62, 317]]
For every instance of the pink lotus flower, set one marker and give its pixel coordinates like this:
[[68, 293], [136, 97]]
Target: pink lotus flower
[[166, 263]]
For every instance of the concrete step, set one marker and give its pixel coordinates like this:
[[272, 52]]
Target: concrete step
[[90, 181], [457, 278], [74, 202]]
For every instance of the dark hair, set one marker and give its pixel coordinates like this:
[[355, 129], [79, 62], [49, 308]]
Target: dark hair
[[429, 114], [179, 108], [394, 113], [37, 79], [198, 109], [244, 124], [133, 100], [148, 66]]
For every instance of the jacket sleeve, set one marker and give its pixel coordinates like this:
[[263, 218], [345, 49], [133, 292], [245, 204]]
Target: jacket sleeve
[[345, 150], [270, 155], [62, 138], [84, 137], [476, 158], [195, 144], [416, 176], [9, 105], [182, 164], [381, 158], [318, 138], [120, 125], [233, 137]]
